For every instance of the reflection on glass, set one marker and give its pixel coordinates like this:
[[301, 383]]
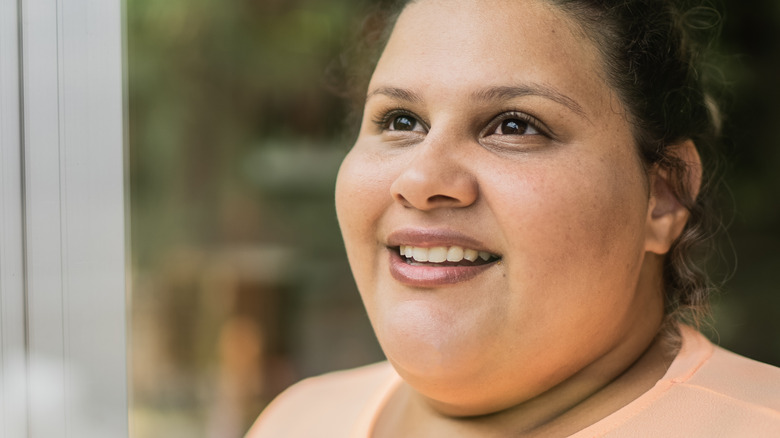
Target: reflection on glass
[[240, 282]]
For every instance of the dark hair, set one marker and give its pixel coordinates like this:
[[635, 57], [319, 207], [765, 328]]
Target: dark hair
[[654, 53]]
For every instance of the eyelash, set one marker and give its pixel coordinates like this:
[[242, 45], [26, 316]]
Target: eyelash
[[526, 118], [386, 118]]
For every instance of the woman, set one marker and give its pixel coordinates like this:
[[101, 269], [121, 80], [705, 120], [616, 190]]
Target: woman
[[518, 212]]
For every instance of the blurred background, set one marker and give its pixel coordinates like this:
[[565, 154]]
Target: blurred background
[[240, 284]]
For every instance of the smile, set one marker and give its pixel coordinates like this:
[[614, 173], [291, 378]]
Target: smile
[[445, 255], [443, 265]]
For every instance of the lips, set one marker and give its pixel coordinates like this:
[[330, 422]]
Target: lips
[[431, 258]]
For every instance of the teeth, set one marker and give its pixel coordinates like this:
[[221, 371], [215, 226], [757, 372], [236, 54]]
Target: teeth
[[437, 254], [420, 254], [455, 254], [440, 254]]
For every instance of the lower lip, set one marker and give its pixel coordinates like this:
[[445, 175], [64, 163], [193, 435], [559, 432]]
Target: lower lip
[[429, 276]]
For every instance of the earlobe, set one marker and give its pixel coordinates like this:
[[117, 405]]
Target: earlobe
[[666, 214]]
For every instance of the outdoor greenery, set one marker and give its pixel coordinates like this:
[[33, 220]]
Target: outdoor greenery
[[240, 281]]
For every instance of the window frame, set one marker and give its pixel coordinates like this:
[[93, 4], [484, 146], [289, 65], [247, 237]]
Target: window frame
[[63, 349]]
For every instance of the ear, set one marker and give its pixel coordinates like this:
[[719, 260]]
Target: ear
[[666, 215]]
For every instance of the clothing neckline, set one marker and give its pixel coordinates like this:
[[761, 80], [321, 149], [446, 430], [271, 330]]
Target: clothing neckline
[[695, 350], [366, 422]]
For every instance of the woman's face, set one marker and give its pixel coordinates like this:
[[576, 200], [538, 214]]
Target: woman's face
[[490, 128]]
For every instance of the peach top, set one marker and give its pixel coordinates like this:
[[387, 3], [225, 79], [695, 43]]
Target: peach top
[[707, 392]]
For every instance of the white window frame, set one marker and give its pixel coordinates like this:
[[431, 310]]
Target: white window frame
[[63, 354]]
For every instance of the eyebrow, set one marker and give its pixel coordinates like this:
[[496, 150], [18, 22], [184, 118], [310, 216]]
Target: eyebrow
[[491, 93], [509, 92], [396, 93]]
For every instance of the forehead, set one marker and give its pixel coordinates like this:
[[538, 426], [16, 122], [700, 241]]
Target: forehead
[[476, 44]]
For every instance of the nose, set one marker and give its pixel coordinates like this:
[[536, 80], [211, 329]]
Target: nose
[[435, 178]]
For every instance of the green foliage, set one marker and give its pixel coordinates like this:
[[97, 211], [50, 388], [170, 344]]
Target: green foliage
[[235, 142]]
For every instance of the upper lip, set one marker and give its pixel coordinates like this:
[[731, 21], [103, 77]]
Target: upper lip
[[429, 238]]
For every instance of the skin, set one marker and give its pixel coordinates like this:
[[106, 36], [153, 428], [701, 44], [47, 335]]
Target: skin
[[562, 331]]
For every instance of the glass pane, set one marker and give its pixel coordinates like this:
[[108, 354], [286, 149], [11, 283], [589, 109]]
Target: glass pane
[[240, 284]]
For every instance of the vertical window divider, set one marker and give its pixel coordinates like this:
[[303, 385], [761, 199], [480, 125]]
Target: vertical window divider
[[63, 349], [13, 378]]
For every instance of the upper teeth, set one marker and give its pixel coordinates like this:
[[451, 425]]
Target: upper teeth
[[440, 254]]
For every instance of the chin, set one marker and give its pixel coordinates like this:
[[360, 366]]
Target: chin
[[453, 374], [455, 394], [436, 342]]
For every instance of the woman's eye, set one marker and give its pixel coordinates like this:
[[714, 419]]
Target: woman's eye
[[515, 127], [404, 123]]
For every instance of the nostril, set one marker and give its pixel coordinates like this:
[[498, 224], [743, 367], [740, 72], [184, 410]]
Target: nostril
[[437, 199], [402, 200], [430, 202]]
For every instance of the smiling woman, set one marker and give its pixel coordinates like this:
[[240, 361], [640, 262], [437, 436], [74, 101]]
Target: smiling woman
[[518, 211]]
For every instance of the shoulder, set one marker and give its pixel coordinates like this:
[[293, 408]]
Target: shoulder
[[327, 405], [707, 392], [728, 395], [753, 384], [713, 392]]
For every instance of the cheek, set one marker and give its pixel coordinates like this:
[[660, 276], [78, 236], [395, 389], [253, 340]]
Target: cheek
[[572, 220], [357, 187], [362, 194]]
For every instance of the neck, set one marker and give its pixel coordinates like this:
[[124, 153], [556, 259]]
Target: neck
[[571, 406]]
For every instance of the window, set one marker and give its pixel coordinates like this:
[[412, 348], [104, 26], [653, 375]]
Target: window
[[62, 262], [265, 256]]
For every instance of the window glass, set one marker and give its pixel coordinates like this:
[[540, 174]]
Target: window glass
[[240, 284]]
